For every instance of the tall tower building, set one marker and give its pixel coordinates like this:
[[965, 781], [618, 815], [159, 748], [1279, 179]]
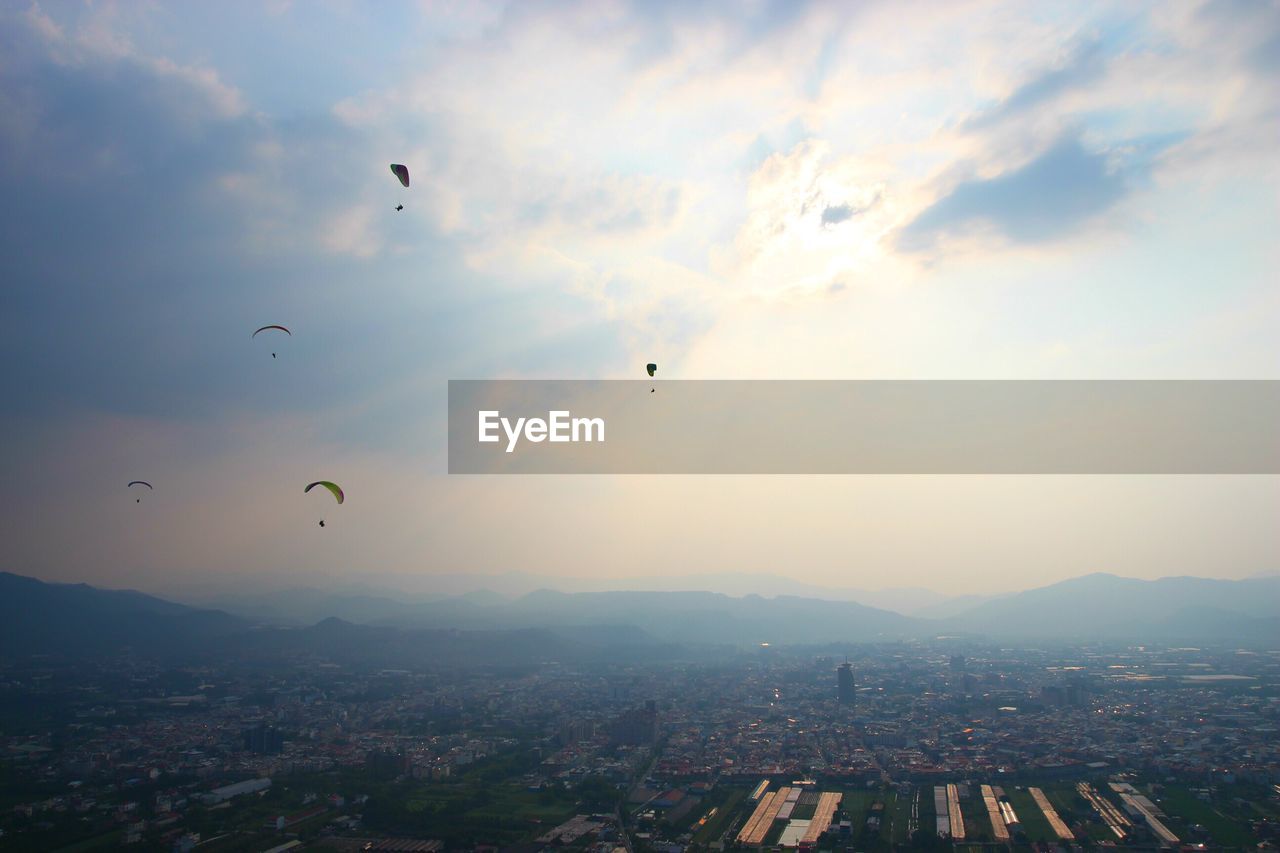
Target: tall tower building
[[844, 684], [958, 678]]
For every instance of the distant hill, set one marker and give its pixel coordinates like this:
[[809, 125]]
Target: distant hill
[[1112, 607], [951, 606], [78, 620], [393, 591], [589, 626], [306, 606], [43, 617], [682, 617], [685, 617]]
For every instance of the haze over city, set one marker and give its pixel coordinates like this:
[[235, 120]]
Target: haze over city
[[260, 592]]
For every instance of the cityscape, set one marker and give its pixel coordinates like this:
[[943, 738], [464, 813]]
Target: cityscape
[[639, 426], [936, 741]]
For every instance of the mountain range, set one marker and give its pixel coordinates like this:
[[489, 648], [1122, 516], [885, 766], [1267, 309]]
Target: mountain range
[[299, 604], [545, 624], [43, 617]]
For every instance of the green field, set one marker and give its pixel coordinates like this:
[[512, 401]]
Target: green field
[[928, 818], [1070, 804], [899, 810], [1034, 824], [496, 803], [106, 841], [855, 802], [504, 813], [727, 801], [1226, 826], [894, 819], [977, 824]]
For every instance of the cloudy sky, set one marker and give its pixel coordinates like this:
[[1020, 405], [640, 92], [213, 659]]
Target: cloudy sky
[[754, 190]]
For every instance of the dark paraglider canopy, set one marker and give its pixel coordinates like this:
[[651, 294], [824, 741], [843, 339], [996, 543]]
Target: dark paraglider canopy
[[652, 368], [133, 483], [401, 172], [264, 328]]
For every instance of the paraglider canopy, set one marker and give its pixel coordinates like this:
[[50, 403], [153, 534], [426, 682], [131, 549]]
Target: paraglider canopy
[[334, 488], [141, 483], [401, 172], [273, 326], [652, 368], [264, 328]]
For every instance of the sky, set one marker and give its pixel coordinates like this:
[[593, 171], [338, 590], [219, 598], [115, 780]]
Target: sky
[[875, 190]]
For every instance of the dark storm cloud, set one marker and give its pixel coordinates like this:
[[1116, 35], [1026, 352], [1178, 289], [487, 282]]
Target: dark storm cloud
[[134, 273], [107, 231], [1048, 197]]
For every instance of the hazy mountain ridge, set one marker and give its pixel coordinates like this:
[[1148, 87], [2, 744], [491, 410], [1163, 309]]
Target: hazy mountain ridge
[[39, 616], [687, 617], [79, 620], [1098, 604], [1113, 607], [307, 606], [291, 604], [547, 624]]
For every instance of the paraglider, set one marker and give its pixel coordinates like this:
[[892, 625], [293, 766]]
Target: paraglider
[[401, 172], [133, 483], [264, 328], [652, 369], [333, 488]]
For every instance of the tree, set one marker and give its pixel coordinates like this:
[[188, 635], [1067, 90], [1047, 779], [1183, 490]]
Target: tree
[[598, 794]]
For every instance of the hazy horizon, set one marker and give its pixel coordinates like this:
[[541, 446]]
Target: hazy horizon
[[513, 585], [787, 190]]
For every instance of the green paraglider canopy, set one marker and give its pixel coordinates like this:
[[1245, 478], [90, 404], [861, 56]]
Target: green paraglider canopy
[[401, 172], [332, 487], [652, 368]]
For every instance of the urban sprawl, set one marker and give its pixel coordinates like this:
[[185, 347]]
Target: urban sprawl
[[894, 746]]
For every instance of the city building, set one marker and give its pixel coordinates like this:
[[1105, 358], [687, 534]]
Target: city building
[[845, 690], [263, 740]]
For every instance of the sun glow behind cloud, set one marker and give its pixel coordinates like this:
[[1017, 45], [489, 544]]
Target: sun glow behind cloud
[[791, 191]]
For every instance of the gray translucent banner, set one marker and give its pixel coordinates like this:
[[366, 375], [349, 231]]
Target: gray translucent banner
[[864, 427]]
